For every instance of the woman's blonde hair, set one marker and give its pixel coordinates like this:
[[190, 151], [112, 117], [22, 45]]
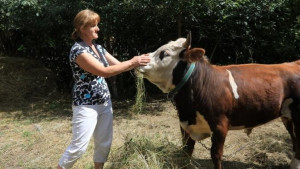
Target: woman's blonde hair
[[82, 19]]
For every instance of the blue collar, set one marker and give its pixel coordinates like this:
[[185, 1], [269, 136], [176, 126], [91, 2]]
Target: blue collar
[[185, 79]]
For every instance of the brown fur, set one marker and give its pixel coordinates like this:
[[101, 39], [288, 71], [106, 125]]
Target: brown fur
[[262, 89]]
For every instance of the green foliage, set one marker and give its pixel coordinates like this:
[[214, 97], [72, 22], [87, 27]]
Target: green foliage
[[245, 31], [297, 33], [231, 31], [40, 30]]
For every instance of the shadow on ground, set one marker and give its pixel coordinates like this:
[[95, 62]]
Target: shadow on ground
[[38, 110], [61, 107], [207, 164]]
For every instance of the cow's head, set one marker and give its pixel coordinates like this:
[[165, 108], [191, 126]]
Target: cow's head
[[164, 60]]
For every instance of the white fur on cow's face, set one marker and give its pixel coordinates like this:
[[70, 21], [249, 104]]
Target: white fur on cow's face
[[163, 61]]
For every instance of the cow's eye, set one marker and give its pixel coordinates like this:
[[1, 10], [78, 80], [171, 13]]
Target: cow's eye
[[163, 54]]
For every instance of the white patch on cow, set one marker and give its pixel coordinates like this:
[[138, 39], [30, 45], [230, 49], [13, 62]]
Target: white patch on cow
[[295, 164], [285, 110], [233, 85], [198, 131]]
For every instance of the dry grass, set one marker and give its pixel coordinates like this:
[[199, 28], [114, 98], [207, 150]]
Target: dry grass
[[137, 108], [148, 153], [35, 136]]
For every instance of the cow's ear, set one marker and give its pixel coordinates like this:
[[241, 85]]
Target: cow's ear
[[187, 43], [194, 55]]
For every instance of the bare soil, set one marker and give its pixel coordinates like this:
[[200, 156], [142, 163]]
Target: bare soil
[[35, 136]]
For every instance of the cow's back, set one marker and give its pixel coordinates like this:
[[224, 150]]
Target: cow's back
[[261, 90]]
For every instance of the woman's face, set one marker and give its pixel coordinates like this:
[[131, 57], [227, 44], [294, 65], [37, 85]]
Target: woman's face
[[90, 31]]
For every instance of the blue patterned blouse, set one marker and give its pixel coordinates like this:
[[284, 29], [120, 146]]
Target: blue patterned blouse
[[88, 89]]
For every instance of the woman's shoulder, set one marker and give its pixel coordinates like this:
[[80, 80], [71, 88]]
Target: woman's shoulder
[[100, 47], [77, 49], [78, 45]]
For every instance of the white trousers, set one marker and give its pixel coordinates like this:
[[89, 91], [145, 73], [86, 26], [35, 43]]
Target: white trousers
[[88, 120]]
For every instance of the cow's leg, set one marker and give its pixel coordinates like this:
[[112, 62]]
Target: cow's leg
[[218, 139], [295, 108], [187, 142], [286, 118], [289, 125]]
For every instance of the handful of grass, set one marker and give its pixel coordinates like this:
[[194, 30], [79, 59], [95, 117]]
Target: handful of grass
[[140, 95]]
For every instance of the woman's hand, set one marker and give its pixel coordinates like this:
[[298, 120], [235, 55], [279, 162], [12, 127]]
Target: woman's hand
[[141, 60]]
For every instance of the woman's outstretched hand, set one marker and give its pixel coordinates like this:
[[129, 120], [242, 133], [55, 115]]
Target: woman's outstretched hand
[[141, 60]]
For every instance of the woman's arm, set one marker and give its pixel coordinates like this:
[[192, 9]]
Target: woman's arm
[[90, 64], [111, 60]]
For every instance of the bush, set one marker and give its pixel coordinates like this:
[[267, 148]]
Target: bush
[[239, 31]]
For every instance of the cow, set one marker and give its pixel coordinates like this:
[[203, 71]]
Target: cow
[[212, 99]]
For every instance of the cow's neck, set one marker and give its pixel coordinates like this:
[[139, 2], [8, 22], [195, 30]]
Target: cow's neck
[[204, 85], [196, 88], [179, 72]]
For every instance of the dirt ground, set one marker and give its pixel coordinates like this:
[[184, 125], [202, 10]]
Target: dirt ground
[[267, 147], [35, 136]]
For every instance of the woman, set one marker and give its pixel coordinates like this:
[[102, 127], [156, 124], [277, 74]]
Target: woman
[[92, 109]]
